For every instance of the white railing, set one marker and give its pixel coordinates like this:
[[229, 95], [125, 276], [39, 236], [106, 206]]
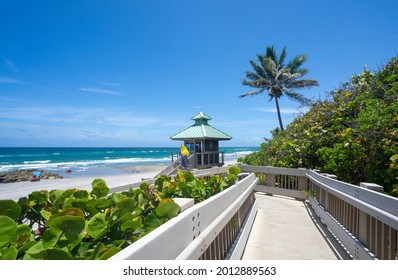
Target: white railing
[[214, 229], [363, 220], [281, 181]]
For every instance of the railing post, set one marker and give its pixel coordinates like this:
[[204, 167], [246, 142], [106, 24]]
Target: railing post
[[372, 186], [271, 180], [363, 227], [302, 183]]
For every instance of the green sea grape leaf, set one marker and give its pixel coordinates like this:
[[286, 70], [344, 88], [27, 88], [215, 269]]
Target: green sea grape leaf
[[26, 247], [126, 217], [134, 224], [100, 189], [35, 251], [73, 202], [126, 204], [168, 210], [8, 253], [96, 251], [10, 208], [55, 194], [23, 235], [152, 221], [71, 226], [45, 214], [136, 212], [38, 197], [57, 254], [139, 192], [231, 179], [97, 226], [101, 203], [8, 229], [144, 185], [38, 252], [81, 195], [109, 252], [67, 193], [234, 170], [73, 212], [117, 197], [166, 200], [83, 248], [50, 237]]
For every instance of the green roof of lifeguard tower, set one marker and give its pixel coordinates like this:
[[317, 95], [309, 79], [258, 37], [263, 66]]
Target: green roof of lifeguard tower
[[201, 130]]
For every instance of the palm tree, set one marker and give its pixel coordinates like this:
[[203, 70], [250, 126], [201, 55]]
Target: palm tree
[[273, 75]]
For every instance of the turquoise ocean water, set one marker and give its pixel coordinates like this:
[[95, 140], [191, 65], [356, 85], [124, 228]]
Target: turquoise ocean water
[[85, 161]]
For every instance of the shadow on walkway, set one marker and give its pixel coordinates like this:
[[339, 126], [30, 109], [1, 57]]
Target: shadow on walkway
[[288, 229]]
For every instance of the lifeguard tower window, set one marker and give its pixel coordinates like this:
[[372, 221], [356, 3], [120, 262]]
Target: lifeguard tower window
[[211, 145], [190, 146]]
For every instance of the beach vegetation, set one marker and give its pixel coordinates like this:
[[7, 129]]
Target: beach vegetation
[[352, 134], [90, 225], [276, 77]]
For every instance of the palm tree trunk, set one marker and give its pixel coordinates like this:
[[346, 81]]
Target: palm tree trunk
[[279, 113]]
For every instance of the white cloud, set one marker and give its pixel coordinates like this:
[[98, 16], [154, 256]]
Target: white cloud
[[283, 110], [7, 80], [101, 91], [10, 99], [85, 116], [111, 84], [10, 65]]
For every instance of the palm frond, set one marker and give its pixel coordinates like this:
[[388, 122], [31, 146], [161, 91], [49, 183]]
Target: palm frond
[[251, 93], [252, 76], [299, 98], [258, 83], [257, 68], [302, 71], [282, 57], [307, 83], [270, 68], [296, 62], [270, 52]]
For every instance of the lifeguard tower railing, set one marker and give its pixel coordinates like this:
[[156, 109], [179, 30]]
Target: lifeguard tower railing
[[365, 222], [202, 160]]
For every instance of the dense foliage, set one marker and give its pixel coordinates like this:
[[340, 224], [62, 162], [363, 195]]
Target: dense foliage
[[78, 224], [353, 134]]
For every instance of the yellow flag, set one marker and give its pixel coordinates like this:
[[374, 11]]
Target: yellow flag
[[184, 151]]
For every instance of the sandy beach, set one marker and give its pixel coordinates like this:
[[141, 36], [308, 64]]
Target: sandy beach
[[20, 189]]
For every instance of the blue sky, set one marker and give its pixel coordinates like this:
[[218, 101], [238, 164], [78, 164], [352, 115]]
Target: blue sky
[[133, 73]]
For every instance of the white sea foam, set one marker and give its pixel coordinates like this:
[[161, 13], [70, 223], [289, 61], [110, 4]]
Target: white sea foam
[[48, 165], [37, 161], [238, 154]]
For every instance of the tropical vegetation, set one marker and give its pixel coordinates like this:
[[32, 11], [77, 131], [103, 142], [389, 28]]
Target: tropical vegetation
[[352, 134], [273, 75], [78, 224]]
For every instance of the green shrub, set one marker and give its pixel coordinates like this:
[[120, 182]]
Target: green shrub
[[352, 134], [77, 224]]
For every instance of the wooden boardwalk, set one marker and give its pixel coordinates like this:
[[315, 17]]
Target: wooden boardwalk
[[286, 229]]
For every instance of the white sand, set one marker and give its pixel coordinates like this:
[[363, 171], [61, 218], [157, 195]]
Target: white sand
[[20, 189]]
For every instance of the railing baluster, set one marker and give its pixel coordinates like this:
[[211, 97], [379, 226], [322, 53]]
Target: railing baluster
[[393, 241]]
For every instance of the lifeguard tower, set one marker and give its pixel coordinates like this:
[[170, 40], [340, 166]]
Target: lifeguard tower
[[201, 140]]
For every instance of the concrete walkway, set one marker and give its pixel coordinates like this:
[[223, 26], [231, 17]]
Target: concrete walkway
[[285, 229]]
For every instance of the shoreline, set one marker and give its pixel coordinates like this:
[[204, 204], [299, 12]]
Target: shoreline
[[133, 174]]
